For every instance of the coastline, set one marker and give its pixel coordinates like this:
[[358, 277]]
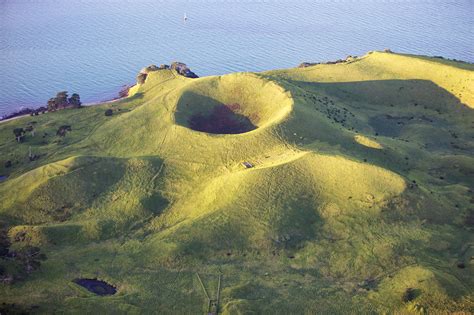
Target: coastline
[[126, 88], [113, 100], [179, 67]]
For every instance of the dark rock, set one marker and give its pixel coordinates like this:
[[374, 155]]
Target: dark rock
[[183, 69], [141, 77], [124, 91], [152, 68], [307, 64]]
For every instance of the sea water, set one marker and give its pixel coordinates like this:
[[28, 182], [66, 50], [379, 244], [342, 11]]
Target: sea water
[[93, 47]]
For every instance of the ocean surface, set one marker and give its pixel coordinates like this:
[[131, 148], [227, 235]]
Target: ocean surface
[[93, 47]]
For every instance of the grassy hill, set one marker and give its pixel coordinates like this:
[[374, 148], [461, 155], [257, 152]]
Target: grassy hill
[[341, 188]]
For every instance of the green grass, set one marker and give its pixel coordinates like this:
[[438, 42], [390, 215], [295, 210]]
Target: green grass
[[361, 188]]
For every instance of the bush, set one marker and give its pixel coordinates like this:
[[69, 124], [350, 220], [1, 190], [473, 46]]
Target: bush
[[19, 134], [108, 112], [62, 130], [410, 294]]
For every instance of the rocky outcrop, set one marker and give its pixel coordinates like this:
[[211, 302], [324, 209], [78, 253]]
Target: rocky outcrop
[[183, 70], [309, 64], [179, 67], [141, 77]]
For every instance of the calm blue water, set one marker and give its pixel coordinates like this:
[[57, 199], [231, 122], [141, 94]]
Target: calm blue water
[[93, 47]]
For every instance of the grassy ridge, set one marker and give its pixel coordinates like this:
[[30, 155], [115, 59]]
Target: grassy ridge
[[359, 198]]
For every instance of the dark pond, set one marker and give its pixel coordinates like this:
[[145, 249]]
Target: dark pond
[[96, 286]]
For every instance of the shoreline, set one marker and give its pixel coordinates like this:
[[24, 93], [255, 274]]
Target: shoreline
[[301, 65], [113, 100]]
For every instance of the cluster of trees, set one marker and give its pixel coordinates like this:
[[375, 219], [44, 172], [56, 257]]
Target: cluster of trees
[[16, 265], [62, 101]]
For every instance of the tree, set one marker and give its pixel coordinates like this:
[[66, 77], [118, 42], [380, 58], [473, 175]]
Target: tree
[[75, 100], [19, 134], [61, 99], [52, 106]]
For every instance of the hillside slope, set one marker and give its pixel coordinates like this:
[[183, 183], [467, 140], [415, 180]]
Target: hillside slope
[[333, 188]]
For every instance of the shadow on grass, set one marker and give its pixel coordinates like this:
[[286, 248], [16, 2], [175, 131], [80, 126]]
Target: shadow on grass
[[410, 111], [205, 114]]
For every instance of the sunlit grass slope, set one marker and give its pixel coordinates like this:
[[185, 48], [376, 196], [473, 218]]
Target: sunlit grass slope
[[357, 196]]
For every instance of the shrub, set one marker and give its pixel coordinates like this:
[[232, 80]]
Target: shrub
[[410, 294], [19, 134], [108, 112], [63, 130]]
